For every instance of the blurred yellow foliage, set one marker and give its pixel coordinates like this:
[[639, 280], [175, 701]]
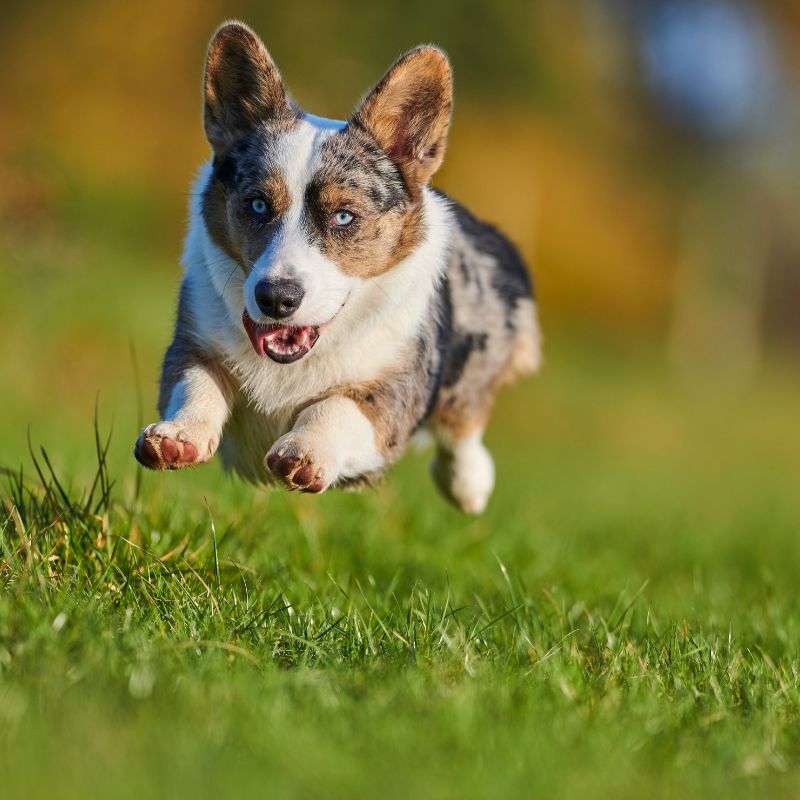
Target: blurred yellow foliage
[[105, 97]]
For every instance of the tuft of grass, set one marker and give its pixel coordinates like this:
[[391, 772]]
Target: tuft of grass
[[623, 621], [308, 649]]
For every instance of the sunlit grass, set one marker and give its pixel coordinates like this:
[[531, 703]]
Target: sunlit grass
[[624, 620]]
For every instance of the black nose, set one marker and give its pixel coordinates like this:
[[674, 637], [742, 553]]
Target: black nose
[[278, 298]]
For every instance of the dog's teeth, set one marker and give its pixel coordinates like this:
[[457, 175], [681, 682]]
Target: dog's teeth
[[287, 341]]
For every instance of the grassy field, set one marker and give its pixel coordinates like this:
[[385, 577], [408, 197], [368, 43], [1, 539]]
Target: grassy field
[[622, 622]]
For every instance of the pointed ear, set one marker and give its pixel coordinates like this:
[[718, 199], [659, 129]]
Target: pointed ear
[[408, 113], [242, 85]]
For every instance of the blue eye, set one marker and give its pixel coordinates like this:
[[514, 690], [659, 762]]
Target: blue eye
[[341, 218], [259, 205]]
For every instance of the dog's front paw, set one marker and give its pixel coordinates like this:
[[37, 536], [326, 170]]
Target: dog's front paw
[[169, 445], [294, 462]]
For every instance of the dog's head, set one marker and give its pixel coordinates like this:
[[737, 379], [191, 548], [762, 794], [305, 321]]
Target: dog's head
[[311, 210]]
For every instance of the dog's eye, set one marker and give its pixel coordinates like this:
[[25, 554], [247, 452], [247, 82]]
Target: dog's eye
[[341, 218], [259, 205]]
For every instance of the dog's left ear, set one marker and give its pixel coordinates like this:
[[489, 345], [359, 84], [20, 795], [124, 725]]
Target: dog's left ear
[[242, 85], [408, 113]]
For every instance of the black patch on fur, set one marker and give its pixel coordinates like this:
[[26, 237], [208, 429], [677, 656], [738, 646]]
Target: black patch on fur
[[511, 280], [462, 346], [442, 311], [313, 212], [224, 170], [249, 160]]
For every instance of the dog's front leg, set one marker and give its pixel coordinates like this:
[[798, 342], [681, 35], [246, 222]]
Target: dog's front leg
[[194, 405], [331, 441]]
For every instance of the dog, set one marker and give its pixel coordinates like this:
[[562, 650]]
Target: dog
[[333, 303]]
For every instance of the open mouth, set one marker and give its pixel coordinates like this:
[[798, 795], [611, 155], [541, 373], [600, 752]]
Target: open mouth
[[282, 343]]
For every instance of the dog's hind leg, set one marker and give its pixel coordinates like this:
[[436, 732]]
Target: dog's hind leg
[[463, 469]]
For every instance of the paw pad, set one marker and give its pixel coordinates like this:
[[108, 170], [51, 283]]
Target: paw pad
[[296, 470], [159, 451]]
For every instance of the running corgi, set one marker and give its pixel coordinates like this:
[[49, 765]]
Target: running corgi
[[332, 302]]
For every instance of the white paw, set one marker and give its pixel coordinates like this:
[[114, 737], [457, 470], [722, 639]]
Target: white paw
[[171, 445], [465, 474]]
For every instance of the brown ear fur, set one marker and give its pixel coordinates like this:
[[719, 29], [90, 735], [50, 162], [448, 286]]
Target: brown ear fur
[[408, 113], [242, 85]]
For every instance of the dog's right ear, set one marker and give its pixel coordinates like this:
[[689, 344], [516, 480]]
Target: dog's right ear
[[242, 86]]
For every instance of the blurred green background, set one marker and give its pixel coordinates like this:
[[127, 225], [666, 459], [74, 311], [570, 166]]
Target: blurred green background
[[643, 154]]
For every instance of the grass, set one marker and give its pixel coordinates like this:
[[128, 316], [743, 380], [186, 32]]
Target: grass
[[623, 621]]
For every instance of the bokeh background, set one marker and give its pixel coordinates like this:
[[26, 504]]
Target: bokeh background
[[624, 618], [642, 154]]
